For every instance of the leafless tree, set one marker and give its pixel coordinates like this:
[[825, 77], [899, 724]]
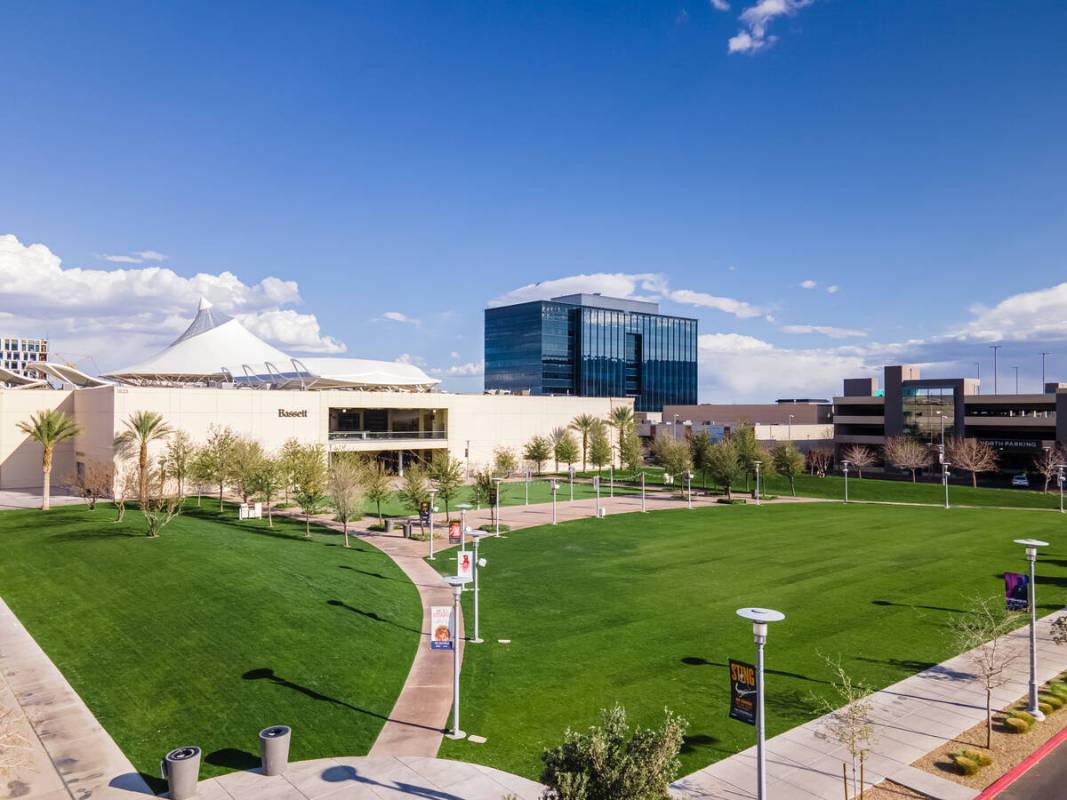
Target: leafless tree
[[819, 460], [126, 481], [15, 748], [904, 452], [847, 720], [971, 455], [860, 457], [981, 634], [1047, 464], [94, 481], [160, 508]]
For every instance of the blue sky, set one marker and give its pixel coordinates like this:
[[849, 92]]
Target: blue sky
[[319, 165]]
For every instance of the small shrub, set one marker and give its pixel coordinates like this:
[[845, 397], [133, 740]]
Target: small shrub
[[965, 765], [1053, 700], [978, 757], [1045, 708], [1059, 689], [1024, 716], [1015, 725], [376, 527], [491, 528]]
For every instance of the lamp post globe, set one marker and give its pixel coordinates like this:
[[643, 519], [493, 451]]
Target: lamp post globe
[[1031, 546]]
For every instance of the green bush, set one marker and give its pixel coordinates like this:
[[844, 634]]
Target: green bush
[[978, 757], [1058, 688], [1015, 725], [1053, 700], [491, 528], [1024, 716], [1046, 709], [965, 765]]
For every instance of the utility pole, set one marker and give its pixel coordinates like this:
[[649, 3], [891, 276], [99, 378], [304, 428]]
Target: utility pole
[[994, 348], [1043, 370], [978, 366], [1016, 379]]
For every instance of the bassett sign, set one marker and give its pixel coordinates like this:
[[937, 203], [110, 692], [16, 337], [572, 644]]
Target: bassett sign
[[286, 413]]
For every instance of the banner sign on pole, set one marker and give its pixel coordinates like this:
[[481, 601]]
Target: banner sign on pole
[[596, 482], [440, 627], [1016, 591], [424, 512], [455, 533], [464, 565], [743, 691]]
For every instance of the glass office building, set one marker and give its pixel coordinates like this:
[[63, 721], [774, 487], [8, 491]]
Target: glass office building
[[592, 346]]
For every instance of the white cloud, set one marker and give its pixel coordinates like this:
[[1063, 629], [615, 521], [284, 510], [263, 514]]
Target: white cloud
[[121, 259], [1040, 314], [825, 330], [150, 255], [290, 329], [396, 316], [629, 286], [753, 36], [454, 355], [407, 358], [736, 368], [121, 314], [833, 289], [720, 5], [138, 257], [808, 284], [470, 369]]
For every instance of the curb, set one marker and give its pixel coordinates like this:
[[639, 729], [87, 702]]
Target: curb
[[1016, 772]]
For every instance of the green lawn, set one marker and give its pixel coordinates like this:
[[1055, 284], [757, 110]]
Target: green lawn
[[513, 493], [887, 491], [213, 631], [640, 609]]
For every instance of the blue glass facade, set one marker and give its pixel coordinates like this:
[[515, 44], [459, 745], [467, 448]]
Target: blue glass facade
[[552, 348]]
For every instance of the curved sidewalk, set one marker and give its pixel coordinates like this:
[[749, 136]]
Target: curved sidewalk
[[372, 778]]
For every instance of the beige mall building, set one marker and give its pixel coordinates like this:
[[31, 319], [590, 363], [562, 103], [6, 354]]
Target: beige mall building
[[393, 411]]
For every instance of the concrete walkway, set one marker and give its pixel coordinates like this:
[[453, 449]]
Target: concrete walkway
[[372, 778], [69, 755], [911, 718]]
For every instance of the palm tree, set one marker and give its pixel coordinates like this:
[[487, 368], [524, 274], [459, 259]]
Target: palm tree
[[584, 424], [142, 428], [556, 435], [621, 419], [48, 428]]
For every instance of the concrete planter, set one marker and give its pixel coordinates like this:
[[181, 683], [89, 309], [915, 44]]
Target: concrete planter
[[274, 749], [181, 769]]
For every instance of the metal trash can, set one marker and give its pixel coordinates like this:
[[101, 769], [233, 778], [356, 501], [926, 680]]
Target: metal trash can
[[274, 749], [407, 529], [181, 769], [388, 526]]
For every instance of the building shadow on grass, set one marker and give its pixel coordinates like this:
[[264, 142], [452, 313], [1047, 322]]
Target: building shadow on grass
[[267, 674], [370, 615], [365, 572], [893, 603], [232, 758], [698, 661], [97, 534]]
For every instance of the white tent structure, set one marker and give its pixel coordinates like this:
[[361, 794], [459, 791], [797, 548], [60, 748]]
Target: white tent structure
[[217, 349]]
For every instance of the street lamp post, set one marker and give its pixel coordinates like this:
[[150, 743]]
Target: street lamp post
[[456, 583], [596, 485], [475, 538], [554, 486], [642, 491], [570, 472], [994, 348], [432, 509], [1059, 480], [689, 489], [790, 433], [1017, 379], [844, 465], [1031, 546], [756, 464], [760, 617], [463, 508], [498, 482], [674, 428], [944, 479], [611, 481], [527, 481]]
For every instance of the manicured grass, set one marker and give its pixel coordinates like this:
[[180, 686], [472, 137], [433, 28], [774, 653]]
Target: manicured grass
[[215, 630], [640, 609], [886, 491], [513, 493]]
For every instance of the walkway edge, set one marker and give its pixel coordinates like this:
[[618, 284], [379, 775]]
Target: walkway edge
[[1016, 772]]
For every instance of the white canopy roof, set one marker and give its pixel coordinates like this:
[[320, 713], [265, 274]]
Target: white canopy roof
[[216, 348]]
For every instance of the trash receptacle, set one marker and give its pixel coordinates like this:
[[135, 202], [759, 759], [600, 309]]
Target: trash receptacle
[[274, 749], [388, 526], [407, 530], [181, 769]]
